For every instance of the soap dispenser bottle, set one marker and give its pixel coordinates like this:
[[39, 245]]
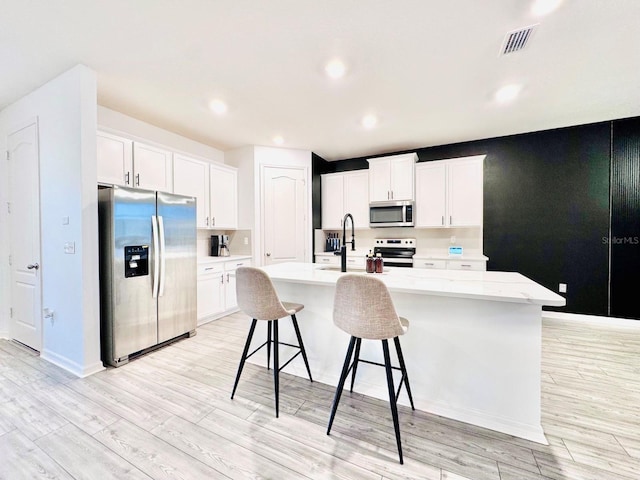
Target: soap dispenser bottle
[[379, 263], [370, 263]]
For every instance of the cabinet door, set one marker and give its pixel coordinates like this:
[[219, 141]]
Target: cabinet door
[[231, 300], [115, 166], [379, 180], [356, 197], [191, 177], [332, 188], [152, 168], [210, 293], [431, 195], [465, 193], [402, 173], [223, 195]]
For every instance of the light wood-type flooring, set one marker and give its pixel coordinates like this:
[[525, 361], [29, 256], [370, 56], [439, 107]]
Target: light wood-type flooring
[[167, 415]]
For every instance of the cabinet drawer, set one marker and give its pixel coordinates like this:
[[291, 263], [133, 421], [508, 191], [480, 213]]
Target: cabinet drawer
[[466, 265], [428, 263], [209, 269], [231, 266], [328, 260]]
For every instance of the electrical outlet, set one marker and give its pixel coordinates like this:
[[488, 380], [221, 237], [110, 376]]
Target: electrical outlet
[[453, 239], [70, 247], [562, 288], [246, 240]]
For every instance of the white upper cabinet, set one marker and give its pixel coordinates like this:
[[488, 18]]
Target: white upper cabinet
[[392, 178], [152, 168], [115, 161], [344, 193], [431, 194], [465, 184], [332, 193], [191, 177], [223, 197], [449, 193]]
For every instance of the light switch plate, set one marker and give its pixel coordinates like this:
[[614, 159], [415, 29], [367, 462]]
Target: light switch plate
[[70, 247]]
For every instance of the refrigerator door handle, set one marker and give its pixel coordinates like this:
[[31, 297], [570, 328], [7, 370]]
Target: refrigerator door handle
[[156, 255], [162, 256]]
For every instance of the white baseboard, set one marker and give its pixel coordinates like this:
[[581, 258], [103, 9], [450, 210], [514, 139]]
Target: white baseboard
[[70, 366], [594, 319]]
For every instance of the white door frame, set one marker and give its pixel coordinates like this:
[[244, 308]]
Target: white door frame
[[37, 279]]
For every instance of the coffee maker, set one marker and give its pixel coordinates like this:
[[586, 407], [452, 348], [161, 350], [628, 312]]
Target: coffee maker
[[219, 245]]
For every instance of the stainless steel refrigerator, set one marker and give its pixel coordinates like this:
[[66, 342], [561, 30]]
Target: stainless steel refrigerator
[[147, 270]]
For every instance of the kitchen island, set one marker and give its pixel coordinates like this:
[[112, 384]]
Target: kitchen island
[[473, 349]]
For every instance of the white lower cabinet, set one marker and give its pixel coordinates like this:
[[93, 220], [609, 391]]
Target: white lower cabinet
[[231, 302], [210, 290], [476, 264], [217, 288]]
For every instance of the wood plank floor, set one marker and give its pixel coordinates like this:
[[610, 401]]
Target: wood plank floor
[[167, 415]]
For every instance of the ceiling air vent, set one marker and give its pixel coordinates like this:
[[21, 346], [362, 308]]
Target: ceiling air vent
[[517, 40]]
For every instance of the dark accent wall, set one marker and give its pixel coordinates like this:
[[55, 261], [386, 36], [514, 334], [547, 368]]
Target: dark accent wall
[[546, 207], [625, 219]]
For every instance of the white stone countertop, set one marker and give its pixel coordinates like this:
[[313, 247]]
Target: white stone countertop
[[478, 285]]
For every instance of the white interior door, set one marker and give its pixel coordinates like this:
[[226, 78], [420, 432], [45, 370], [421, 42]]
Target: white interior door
[[284, 206], [24, 222]]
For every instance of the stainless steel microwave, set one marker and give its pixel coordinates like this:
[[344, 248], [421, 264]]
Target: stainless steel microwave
[[391, 214]]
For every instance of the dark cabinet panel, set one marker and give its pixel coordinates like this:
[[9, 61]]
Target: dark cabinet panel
[[625, 219]]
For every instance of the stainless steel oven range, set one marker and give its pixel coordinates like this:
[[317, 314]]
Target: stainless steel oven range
[[396, 252]]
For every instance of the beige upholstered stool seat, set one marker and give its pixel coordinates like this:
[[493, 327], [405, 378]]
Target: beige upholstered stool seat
[[257, 298], [363, 308]]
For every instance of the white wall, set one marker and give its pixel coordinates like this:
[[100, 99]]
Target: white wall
[[66, 112], [118, 123]]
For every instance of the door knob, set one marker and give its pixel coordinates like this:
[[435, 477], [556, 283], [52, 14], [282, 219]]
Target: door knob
[[268, 254], [32, 266]]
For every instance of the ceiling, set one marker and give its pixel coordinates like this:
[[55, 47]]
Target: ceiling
[[427, 69]]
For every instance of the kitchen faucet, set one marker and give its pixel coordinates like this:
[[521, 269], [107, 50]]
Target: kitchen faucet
[[343, 249]]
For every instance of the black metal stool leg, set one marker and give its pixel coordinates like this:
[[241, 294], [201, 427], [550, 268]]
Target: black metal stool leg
[[276, 365], [356, 356], [244, 355], [268, 344], [392, 396], [302, 350], [396, 340], [343, 377]]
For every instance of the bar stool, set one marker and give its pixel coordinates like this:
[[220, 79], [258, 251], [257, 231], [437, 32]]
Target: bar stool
[[258, 298], [363, 308]]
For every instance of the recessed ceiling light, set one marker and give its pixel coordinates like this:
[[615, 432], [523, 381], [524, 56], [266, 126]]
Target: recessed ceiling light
[[542, 7], [335, 69], [369, 121], [278, 140], [508, 93], [218, 106]]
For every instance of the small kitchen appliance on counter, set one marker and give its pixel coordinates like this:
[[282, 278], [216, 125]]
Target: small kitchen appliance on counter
[[396, 252], [220, 246]]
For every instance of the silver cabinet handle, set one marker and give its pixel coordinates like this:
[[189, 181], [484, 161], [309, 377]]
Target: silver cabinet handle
[[208, 268], [227, 278], [443, 220], [126, 178], [222, 278], [138, 180], [465, 265], [268, 254], [33, 266], [213, 221], [450, 220], [207, 221], [429, 264]]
